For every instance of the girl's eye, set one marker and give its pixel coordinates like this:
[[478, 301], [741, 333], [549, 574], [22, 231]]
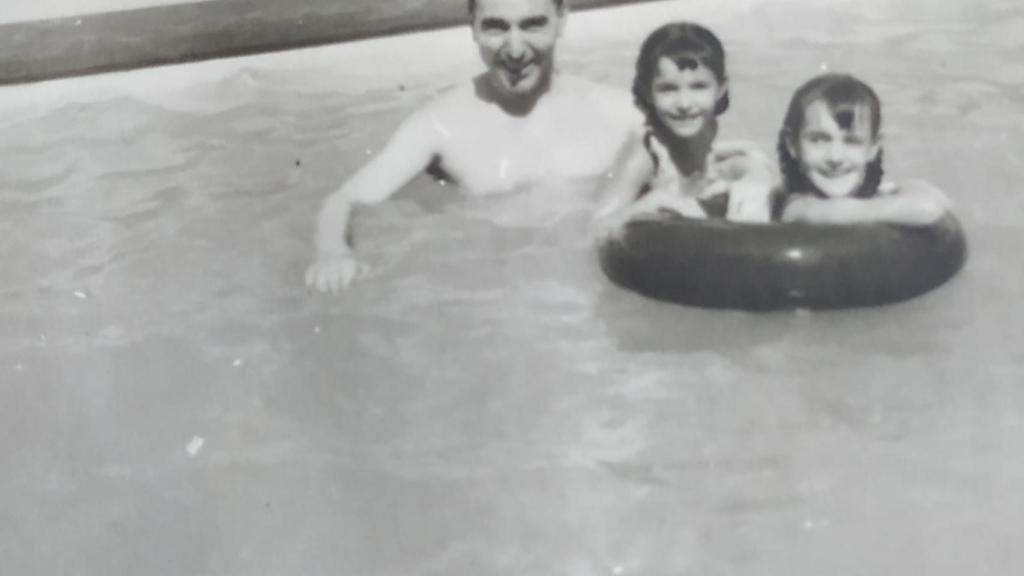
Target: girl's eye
[[699, 86], [854, 140], [817, 138], [664, 88]]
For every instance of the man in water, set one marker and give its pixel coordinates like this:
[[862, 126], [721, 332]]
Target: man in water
[[518, 123]]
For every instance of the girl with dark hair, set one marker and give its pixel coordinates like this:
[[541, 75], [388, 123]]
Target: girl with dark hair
[[830, 152], [681, 87]]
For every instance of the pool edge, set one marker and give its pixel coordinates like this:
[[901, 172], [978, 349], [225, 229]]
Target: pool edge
[[154, 36]]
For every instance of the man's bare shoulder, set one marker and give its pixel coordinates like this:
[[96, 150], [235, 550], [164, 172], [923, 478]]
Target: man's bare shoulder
[[457, 110], [454, 99]]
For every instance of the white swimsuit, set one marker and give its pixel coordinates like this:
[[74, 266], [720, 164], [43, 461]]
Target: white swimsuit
[[719, 168]]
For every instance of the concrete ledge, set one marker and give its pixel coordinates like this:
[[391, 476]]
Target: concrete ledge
[[31, 51]]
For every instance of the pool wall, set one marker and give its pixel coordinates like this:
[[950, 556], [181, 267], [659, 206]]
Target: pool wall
[[155, 35]]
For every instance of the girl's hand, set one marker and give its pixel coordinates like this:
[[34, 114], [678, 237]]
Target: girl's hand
[[749, 201], [687, 206], [607, 227], [334, 272], [714, 187]]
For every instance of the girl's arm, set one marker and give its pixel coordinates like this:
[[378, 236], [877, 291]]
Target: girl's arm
[[633, 170], [915, 203]]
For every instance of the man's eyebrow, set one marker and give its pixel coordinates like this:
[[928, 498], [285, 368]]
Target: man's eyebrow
[[492, 22], [534, 22]]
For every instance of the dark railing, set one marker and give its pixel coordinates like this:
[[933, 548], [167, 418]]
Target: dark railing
[[31, 51]]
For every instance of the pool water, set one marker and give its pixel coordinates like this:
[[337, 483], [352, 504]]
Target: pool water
[[175, 401]]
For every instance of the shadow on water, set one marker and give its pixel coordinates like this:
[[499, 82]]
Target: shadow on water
[[639, 324]]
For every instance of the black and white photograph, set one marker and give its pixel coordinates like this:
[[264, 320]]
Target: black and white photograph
[[511, 287]]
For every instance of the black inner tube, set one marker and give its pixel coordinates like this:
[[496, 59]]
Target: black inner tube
[[719, 264]]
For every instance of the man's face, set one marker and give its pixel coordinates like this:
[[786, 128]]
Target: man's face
[[517, 42]]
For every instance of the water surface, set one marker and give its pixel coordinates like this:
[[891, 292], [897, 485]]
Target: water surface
[[486, 403]]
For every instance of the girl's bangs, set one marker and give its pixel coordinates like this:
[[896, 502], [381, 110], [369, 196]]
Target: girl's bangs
[[850, 113]]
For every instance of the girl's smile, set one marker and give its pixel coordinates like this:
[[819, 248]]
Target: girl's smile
[[684, 99], [835, 159]]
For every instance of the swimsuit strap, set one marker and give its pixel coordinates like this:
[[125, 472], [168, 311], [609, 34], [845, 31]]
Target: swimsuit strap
[[649, 143], [659, 154]]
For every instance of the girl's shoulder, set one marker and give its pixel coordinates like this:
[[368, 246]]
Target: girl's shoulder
[[636, 155]]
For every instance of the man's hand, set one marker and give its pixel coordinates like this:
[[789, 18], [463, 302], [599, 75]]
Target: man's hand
[[334, 272]]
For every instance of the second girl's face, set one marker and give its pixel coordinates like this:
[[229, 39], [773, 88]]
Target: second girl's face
[[833, 158], [685, 99]]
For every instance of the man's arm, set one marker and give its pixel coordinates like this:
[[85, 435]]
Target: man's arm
[[408, 152], [915, 203]]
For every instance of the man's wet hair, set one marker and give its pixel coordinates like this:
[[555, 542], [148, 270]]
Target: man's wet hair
[[845, 96], [559, 4]]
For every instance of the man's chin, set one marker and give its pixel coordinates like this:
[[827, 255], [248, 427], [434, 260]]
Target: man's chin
[[520, 85]]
